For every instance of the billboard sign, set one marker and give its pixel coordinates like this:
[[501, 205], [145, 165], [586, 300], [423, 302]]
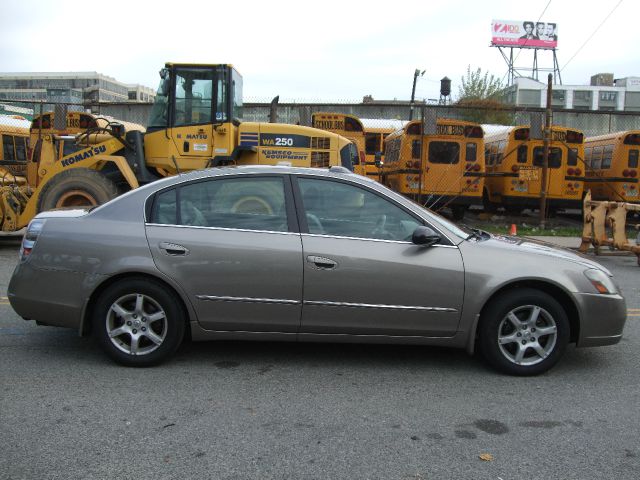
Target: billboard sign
[[509, 33]]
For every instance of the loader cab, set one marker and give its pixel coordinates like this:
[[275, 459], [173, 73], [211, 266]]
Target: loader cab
[[195, 117], [196, 95]]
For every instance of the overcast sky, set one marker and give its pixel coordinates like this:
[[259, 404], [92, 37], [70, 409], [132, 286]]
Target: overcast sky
[[313, 50]]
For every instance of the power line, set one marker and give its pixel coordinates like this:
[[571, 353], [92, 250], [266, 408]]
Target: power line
[[591, 36]]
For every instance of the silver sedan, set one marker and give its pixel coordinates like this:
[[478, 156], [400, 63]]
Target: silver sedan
[[278, 253]]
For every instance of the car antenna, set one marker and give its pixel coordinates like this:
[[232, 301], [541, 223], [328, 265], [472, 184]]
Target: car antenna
[[173, 158]]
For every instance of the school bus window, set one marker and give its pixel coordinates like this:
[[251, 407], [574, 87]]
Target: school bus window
[[7, 147], [555, 157], [633, 159], [415, 149], [351, 125], [499, 158], [372, 143], [587, 156], [444, 152], [522, 154], [607, 155], [596, 158], [21, 149], [572, 159], [471, 151]]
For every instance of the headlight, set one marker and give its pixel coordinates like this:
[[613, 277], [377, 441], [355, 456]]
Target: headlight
[[600, 280]]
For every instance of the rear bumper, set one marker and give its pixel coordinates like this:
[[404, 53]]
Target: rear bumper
[[50, 297], [603, 319]]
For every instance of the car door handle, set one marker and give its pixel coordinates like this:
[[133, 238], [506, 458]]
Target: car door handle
[[322, 262], [173, 249]]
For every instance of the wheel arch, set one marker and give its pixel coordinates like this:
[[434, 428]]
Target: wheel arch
[[85, 323], [558, 293]]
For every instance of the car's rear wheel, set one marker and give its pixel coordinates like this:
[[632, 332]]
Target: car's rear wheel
[[138, 322], [523, 332]]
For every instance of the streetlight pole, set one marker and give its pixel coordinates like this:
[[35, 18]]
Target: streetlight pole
[[416, 74]]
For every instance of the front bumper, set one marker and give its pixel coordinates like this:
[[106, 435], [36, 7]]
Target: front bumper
[[602, 319]]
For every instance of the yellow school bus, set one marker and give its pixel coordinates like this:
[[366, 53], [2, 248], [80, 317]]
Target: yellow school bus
[[445, 169], [375, 133], [612, 166], [348, 126], [514, 169], [14, 137]]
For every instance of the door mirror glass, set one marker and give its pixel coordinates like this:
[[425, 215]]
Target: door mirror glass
[[425, 236]]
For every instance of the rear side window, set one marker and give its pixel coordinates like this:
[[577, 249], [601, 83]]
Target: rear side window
[[236, 203], [444, 152]]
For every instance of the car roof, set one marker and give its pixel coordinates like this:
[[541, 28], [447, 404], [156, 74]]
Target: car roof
[[331, 172]]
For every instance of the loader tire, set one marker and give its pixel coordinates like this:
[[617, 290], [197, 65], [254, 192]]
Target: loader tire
[[78, 187]]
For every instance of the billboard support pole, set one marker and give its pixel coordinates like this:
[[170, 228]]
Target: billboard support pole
[[545, 156]]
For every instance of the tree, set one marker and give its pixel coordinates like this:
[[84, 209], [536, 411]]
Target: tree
[[482, 96]]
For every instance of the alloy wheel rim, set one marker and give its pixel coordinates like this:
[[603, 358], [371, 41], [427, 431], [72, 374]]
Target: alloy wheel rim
[[136, 324], [527, 335]]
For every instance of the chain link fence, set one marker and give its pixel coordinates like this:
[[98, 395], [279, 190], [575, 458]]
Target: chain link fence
[[374, 114]]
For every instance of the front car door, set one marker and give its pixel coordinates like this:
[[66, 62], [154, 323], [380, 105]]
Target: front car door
[[232, 243], [362, 273]]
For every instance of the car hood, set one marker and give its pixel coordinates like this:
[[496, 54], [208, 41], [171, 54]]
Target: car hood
[[539, 247]]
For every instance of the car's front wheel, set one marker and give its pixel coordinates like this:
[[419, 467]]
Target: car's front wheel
[[138, 322], [523, 332]]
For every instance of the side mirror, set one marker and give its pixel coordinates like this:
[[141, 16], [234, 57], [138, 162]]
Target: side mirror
[[425, 236], [378, 160]]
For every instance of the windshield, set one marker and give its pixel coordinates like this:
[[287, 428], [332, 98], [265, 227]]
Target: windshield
[[158, 116]]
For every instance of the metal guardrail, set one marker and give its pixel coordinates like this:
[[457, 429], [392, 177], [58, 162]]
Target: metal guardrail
[[599, 216]]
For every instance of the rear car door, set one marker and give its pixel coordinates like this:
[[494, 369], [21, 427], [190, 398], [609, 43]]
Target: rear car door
[[362, 273], [231, 242]]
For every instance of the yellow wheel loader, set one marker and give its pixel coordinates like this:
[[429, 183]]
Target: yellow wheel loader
[[195, 122]]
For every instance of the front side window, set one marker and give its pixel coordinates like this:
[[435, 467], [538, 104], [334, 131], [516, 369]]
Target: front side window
[[345, 210], [444, 152], [555, 157], [238, 203]]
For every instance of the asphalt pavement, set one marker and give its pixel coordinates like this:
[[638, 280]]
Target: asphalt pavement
[[231, 410]]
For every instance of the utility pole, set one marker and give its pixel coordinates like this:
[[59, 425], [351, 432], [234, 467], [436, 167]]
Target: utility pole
[[416, 74], [545, 158]]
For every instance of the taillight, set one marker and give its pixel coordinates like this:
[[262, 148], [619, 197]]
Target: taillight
[[362, 157], [477, 167], [626, 173], [514, 168], [30, 237], [570, 171], [633, 173], [577, 171]]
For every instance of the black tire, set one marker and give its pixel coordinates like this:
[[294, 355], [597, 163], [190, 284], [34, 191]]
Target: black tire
[[540, 351], [513, 209], [487, 205], [138, 309], [75, 188]]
